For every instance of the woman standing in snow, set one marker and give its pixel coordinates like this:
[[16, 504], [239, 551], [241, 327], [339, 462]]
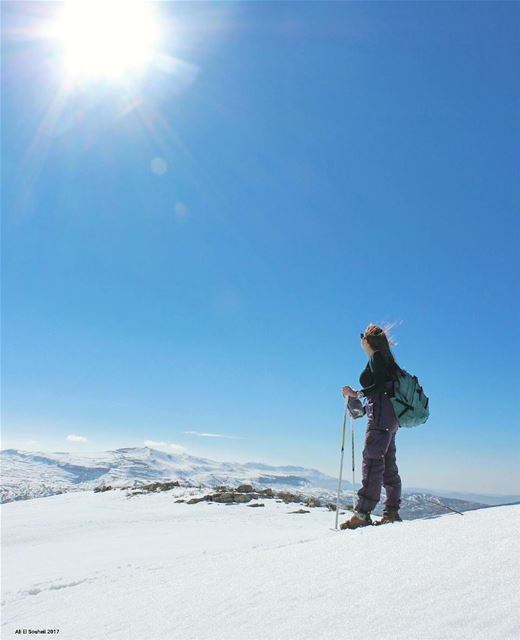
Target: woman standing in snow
[[379, 463]]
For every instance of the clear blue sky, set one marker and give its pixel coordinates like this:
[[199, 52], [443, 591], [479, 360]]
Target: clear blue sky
[[199, 251]]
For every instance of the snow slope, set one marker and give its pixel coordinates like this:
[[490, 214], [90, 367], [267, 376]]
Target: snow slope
[[105, 565]]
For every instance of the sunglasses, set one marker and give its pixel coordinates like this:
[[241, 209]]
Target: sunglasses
[[362, 336]]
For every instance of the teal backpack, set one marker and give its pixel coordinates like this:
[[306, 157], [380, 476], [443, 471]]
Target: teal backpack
[[409, 401]]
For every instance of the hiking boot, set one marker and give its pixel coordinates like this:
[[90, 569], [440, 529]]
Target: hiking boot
[[359, 519], [390, 515]]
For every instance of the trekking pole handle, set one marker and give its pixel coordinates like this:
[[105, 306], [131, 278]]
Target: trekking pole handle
[[341, 461]]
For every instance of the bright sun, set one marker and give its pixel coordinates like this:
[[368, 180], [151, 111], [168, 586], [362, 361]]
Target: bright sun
[[106, 39]]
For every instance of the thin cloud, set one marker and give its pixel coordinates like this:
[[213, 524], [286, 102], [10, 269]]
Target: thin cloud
[[177, 448], [74, 438], [211, 435]]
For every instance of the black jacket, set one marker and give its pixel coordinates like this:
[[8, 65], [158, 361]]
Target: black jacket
[[375, 375]]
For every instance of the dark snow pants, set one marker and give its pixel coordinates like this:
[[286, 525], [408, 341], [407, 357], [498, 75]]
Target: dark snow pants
[[379, 456]]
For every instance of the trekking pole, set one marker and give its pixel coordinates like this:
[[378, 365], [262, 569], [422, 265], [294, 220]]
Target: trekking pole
[[353, 472], [437, 501], [341, 461]]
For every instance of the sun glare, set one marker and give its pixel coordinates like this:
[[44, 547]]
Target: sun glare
[[106, 39]]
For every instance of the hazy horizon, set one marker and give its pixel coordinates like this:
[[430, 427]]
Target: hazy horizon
[[347, 473]]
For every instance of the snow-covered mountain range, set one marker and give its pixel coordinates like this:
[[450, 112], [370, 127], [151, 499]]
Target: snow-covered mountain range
[[27, 475]]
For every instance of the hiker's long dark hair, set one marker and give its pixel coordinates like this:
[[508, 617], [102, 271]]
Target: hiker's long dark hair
[[377, 338]]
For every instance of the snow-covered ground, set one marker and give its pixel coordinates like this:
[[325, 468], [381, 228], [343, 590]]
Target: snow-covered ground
[[101, 566]]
